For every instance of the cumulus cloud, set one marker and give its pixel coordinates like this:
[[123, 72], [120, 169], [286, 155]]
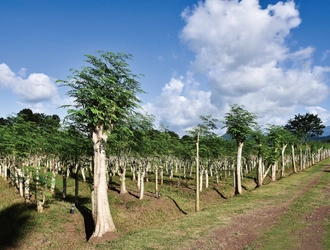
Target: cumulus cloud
[[180, 104], [35, 88], [243, 51]]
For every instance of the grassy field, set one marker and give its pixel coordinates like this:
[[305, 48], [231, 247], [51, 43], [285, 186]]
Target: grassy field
[[169, 222]]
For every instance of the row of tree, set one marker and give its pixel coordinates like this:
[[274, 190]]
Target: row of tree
[[105, 121]]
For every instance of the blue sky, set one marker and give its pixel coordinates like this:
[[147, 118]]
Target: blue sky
[[198, 58]]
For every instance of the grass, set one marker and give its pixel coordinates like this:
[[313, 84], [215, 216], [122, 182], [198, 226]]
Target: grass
[[166, 222]]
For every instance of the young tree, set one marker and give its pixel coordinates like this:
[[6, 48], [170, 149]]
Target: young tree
[[305, 126], [105, 92], [280, 138], [239, 123], [260, 140]]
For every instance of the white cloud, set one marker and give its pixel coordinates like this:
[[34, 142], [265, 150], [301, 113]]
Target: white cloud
[[35, 88], [181, 104], [22, 72], [323, 114], [243, 52], [325, 55]]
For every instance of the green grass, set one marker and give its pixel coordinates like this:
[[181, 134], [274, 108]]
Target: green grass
[[140, 228]]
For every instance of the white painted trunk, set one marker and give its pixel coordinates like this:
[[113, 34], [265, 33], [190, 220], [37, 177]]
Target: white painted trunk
[[101, 209], [237, 177], [206, 179], [283, 161], [142, 185], [293, 159], [27, 188], [201, 179], [260, 172], [138, 183], [122, 176], [83, 174], [274, 167], [52, 187], [161, 176], [156, 180]]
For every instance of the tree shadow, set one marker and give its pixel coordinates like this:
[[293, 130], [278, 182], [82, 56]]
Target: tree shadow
[[222, 196], [16, 222], [177, 205], [88, 220], [80, 205]]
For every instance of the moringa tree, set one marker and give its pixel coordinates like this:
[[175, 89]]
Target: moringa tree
[[201, 130], [239, 123], [104, 93]]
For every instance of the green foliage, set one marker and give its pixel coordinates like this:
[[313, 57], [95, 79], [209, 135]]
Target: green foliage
[[305, 126], [239, 123], [105, 91]]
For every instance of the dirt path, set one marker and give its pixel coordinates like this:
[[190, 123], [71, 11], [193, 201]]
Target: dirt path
[[243, 230]]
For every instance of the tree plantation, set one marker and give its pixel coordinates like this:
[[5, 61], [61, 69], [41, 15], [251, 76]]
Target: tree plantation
[[109, 145]]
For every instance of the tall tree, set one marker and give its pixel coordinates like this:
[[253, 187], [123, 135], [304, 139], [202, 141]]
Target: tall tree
[[239, 123], [204, 129], [105, 93], [305, 126]]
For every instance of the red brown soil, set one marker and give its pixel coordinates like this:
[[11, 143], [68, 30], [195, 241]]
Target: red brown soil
[[243, 230]]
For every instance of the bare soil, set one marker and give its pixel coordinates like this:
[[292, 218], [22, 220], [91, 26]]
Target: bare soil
[[243, 230]]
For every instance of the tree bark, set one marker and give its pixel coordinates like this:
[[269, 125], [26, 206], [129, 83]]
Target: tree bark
[[101, 209], [293, 159], [156, 180], [283, 161], [260, 171], [238, 179], [122, 175]]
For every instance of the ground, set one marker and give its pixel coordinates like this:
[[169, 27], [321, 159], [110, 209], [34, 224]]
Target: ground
[[241, 232]]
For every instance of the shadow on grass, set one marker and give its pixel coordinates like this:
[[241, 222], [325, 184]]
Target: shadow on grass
[[16, 222], [222, 196], [80, 204], [177, 205], [88, 220]]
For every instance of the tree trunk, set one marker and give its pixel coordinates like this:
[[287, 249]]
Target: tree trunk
[[142, 185], [238, 179], [52, 186], [283, 161], [201, 170], [64, 176], [293, 159], [101, 209], [76, 181], [27, 187], [206, 178], [274, 166], [260, 171], [161, 176], [122, 176], [156, 180], [83, 173], [197, 174]]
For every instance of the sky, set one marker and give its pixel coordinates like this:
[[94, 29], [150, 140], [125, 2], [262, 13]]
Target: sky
[[197, 57]]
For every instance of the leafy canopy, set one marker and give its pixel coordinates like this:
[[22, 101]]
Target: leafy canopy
[[104, 92], [305, 126], [239, 123]]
